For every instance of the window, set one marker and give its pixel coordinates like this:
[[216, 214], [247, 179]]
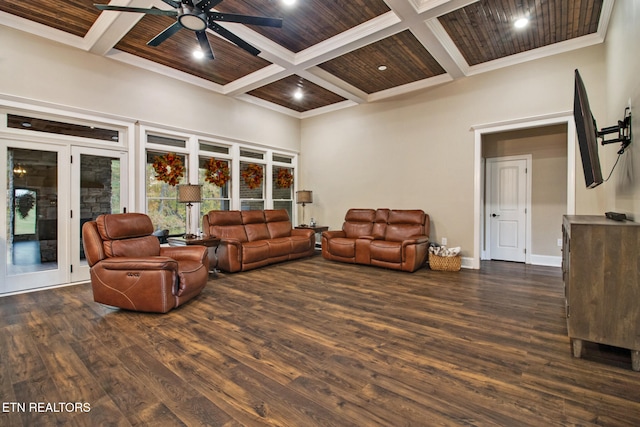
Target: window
[[282, 190], [251, 186], [61, 128], [215, 196], [162, 199], [25, 212]]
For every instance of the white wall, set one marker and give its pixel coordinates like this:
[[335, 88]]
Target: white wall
[[35, 68], [623, 88], [418, 152]]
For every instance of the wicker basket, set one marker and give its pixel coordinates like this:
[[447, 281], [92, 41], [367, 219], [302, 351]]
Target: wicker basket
[[444, 263]]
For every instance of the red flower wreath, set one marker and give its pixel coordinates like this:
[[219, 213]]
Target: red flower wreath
[[217, 172], [284, 179], [168, 168], [252, 175]]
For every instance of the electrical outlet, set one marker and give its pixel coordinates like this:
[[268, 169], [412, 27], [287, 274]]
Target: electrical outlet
[[559, 243], [444, 241]]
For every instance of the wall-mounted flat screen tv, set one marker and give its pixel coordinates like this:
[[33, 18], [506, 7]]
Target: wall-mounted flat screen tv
[[587, 135]]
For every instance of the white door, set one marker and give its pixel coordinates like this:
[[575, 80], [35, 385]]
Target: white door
[[99, 186], [507, 208], [34, 236]]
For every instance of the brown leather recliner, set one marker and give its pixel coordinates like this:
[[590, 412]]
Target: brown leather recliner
[[130, 270]]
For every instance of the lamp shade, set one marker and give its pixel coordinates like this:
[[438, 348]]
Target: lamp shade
[[304, 196], [190, 193]]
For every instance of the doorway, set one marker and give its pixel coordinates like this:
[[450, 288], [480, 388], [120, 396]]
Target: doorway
[[52, 190], [566, 184]]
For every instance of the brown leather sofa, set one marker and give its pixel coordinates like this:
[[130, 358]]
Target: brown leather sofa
[[396, 239], [252, 239], [130, 270]]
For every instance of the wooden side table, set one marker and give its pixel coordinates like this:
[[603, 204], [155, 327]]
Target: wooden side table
[[210, 242], [318, 229]]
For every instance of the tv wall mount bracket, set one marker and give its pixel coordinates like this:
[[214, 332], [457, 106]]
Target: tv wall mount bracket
[[623, 129]]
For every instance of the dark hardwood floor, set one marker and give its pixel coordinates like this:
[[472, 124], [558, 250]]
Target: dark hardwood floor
[[315, 343]]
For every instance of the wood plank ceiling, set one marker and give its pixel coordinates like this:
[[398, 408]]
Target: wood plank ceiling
[[337, 53]]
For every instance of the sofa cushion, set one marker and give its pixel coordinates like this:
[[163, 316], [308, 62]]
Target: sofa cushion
[[255, 251], [279, 247], [124, 226], [300, 244], [226, 225], [278, 223], [137, 247], [342, 247], [358, 222], [254, 225], [405, 223], [385, 250], [380, 223]]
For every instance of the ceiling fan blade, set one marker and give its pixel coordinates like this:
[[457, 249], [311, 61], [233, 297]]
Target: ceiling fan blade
[[233, 38], [153, 11], [205, 46], [245, 19], [168, 32], [208, 4], [174, 4]]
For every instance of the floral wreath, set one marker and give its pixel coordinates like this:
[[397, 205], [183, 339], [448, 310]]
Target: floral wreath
[[168, 168], [253, 175], [284, 179], [217, 172]]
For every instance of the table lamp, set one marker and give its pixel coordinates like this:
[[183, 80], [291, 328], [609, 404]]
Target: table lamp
[[189, 194], [303, 197]]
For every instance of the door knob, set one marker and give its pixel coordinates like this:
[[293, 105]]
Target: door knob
[[494, 215]]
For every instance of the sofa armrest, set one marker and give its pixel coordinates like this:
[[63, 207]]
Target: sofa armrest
[[133, 263], [305, 232], [185, 253], [415, 240], [333, 233]]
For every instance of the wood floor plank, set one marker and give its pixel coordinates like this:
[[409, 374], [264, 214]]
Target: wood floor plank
[[318, 343]]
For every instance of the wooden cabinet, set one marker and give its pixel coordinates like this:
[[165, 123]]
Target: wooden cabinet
[[601, 273]]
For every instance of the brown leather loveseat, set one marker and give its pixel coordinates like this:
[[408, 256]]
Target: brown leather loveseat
[[252, 239], [396, 239], [130, 270]]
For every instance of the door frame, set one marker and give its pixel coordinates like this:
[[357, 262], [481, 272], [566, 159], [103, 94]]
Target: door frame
[[528, 158], [565, 117]]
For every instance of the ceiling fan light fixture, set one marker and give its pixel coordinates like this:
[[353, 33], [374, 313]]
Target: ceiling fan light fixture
[[289, 2], [521, 22], [198, 54], [192, 18]]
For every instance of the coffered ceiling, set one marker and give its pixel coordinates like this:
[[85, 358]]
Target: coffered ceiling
[[336, 53]]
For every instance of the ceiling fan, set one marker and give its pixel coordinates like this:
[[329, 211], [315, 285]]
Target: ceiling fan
[[196, 15]]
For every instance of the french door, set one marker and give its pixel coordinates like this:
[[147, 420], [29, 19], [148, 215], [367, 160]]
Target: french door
[[99, 186], [51, 190]]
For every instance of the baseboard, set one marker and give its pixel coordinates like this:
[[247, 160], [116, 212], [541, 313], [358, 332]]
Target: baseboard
[[546, 260], [466, 262]]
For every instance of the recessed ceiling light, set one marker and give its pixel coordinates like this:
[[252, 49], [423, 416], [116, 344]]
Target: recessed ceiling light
[[382, 67], [298, 95], [26, 124], [521, 22], [289, 2], [198, 54]]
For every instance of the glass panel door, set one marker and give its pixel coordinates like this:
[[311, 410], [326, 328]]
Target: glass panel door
[[99, 184], [35, 236]]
